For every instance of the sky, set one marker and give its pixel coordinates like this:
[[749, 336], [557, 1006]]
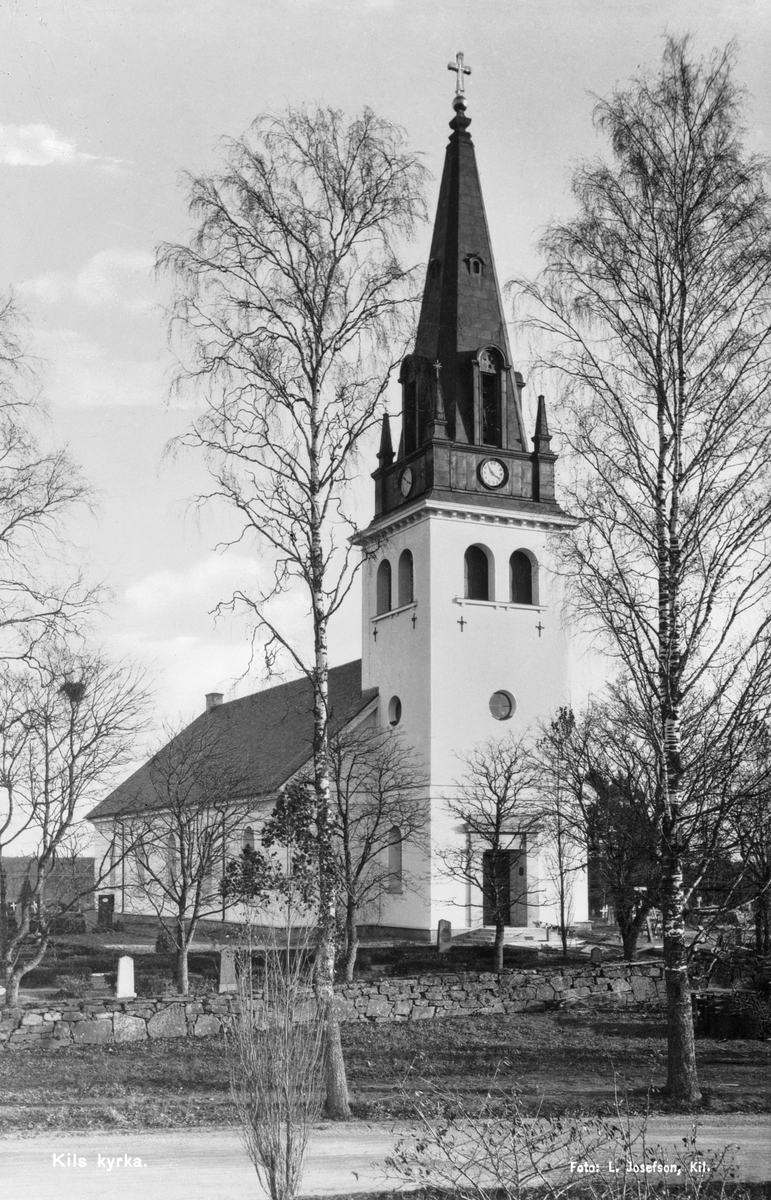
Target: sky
[[105, 103]]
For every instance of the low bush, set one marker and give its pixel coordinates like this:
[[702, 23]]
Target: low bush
[[499, 1150], [73, 987]]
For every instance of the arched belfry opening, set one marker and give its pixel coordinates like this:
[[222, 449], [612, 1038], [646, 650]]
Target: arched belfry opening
[[523, 578], [416, 404], [383, 586], [488, 397], [477, 570]]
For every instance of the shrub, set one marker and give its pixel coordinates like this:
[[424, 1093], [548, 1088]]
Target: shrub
[[275, 1056], [498, 1150]]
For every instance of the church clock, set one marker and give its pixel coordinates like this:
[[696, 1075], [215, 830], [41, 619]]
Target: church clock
[[493, 473]]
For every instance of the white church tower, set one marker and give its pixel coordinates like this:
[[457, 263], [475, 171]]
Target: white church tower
[[461, 617]]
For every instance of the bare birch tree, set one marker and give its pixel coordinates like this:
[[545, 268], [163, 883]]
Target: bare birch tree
[[38, 490], [751, 828], [66, 727], [497, 814], [378, 811], [656, 299], [562, 818], [287, 297], [604, 764], [191, 807]]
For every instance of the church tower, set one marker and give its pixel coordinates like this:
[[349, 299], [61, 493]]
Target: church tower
[[461, 618]]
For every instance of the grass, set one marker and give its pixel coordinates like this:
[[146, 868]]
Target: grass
[[71, 960], [566, 1062]]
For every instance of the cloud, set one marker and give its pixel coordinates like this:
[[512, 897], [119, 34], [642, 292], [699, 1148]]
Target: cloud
[[165, 619], [183, 669], [198, 586], [79, 373], [116, 277], [40, 146]]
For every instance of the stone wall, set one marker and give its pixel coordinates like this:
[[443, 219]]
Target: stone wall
[[84, 1022]]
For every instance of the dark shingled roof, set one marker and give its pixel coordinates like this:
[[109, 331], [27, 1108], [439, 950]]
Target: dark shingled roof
[[268, 735]]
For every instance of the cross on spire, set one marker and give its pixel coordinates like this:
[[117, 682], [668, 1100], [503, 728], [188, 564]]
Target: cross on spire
[[460, 71]]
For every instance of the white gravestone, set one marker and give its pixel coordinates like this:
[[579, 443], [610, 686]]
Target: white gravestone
[[124, 989], [444, 937], [228, 981]]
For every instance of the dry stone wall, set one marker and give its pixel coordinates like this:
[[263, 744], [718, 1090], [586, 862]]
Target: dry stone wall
[[89, 1022]]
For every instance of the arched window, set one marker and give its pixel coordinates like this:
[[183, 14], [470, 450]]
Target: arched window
[[521, 578], [247, 842], [111, 875], [384, 587], [141, 861], [394, 859], [406, 578], [477, 574]]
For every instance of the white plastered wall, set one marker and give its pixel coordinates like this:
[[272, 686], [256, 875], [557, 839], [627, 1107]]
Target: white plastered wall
[[445, 672]]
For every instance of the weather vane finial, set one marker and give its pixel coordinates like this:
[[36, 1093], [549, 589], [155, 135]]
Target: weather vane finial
[[460, 71]]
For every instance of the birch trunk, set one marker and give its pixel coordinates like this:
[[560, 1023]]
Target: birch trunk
[[682, 1080], [336, 1104]]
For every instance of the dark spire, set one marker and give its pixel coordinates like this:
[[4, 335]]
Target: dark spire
[[542, 436], [462, 435], [543, 458], [386, 452], [438, 427], [462, 309]]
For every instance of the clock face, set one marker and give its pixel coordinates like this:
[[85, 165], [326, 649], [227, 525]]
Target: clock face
[[405, 481], [492, 473]]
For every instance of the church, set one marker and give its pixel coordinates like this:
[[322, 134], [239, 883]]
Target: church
[[462, 638]]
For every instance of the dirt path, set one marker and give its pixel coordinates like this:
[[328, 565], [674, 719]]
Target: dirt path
[[207, 1164]]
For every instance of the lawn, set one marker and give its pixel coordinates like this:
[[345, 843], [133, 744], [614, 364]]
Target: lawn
[[566, 1062], [70, 961]]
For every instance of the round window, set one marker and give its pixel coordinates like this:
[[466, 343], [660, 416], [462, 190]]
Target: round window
[[502, 705], [394, 710]]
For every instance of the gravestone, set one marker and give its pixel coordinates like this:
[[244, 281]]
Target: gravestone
[[105, 912], [444, 937], [125, 987], [99, 985], [596, 955], [228, 982]]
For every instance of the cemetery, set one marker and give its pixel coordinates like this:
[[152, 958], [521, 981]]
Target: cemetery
[[563, 1060], [116, 1047]]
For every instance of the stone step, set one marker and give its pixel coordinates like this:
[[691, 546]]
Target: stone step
[[514, 935]]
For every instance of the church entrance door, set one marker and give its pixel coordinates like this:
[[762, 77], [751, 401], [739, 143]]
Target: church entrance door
[[504, 878]]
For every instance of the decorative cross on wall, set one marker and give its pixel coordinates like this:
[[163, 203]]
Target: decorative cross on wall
[[540, 628], [460, 71], [414, 620], [462, 622], [374, 633]]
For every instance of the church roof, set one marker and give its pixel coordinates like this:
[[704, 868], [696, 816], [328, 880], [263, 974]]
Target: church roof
[[267, 736]]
